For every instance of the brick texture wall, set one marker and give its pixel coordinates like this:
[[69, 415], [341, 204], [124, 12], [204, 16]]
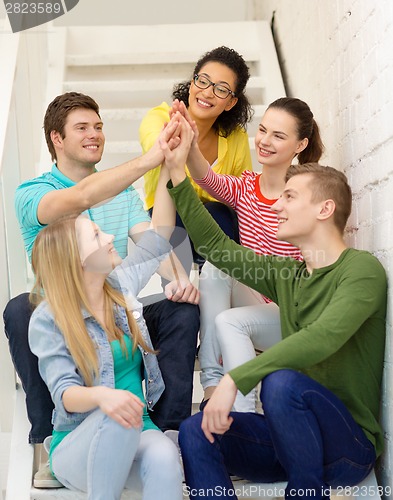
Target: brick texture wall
[[337, 56]]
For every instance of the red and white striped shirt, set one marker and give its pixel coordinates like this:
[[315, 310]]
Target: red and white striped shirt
[[257, 222]]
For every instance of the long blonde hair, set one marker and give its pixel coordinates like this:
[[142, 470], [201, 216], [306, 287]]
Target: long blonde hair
[[59, 280]]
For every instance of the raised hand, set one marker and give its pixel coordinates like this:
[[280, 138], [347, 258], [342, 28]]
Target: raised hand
[[170, 134], [180, 107], [176, 154]]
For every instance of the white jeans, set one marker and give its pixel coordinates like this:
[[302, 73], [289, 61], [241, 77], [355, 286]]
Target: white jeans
[[234, 321], [102, 458], [239, 332]]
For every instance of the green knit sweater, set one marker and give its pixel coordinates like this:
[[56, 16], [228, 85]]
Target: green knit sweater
[[332, 322]]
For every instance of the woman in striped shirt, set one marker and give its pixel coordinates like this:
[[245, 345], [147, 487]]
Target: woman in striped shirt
[[236, 320]]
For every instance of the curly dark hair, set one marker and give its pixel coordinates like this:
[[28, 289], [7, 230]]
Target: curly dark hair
[[58, 110], [242, 112]]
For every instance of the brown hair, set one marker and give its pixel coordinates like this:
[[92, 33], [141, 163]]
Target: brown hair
[[327, 183], [307, 127], [58, 110]]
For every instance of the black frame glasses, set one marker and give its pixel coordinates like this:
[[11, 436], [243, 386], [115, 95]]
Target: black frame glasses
[[202, 82]]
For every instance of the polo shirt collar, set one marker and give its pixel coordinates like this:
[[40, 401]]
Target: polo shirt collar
[[65, 181]]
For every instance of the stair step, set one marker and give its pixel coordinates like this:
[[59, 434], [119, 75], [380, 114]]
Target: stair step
[[145, 92], [143, 58], [155, 44], [130, 147], [65, 494]]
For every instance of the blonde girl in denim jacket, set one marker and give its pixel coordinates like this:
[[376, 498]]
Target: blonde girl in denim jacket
[[93, 348]]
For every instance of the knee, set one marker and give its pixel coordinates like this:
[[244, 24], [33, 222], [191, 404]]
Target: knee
[[226, 322], [119, 435], [165, 453], [17, 314], [185, 315], [163, 459], [191, 436], [277, 388]]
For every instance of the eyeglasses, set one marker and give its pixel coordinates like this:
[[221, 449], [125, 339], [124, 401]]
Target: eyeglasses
[[218, 90]]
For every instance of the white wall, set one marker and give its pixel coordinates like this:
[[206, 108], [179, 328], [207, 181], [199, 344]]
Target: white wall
[[337, 57], [91, 12]]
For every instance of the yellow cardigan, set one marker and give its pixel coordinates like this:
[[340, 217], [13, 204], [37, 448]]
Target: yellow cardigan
[[233, 152]]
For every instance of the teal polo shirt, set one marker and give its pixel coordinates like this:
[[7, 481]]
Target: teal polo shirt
[[116, 216]]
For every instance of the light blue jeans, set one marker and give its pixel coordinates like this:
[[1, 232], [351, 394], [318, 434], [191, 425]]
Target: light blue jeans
[[101, 457], [235, 319]]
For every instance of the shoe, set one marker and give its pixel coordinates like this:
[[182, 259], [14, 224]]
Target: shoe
[[44, 478], [203, 404]]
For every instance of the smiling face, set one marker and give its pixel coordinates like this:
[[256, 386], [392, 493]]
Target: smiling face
[[83, 141], [96, 249], [296, 212], [277, 141], [203, 104]]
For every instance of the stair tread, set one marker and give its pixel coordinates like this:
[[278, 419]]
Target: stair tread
[[142, 84], [140, 58]]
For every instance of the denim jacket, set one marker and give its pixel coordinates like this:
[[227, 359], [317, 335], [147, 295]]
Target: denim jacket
[[56, 365]]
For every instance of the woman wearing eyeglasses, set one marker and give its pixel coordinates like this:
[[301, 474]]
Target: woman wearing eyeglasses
[[215, 100]]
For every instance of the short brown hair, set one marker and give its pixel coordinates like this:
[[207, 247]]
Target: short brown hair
[[327, 183], [58, 110]]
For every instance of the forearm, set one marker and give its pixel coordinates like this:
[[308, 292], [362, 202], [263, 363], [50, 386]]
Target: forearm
[[197, 163], [93, 189], [172, 270], [177, 176], [164, 215], [80, 399], [106, 184]]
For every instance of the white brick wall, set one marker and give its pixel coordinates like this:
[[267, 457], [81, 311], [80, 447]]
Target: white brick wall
[[337, 56]]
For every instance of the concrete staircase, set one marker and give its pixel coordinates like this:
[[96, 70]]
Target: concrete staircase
[[129, 69]]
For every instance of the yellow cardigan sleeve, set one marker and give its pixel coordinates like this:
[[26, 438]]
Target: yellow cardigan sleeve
[[233, 152]]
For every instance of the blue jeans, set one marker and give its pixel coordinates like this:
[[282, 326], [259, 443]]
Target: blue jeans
[[306, 436], [174, 330], [101, 457]]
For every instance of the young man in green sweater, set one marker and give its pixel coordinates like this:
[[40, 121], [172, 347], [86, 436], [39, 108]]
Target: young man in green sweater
[[321, 383]]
